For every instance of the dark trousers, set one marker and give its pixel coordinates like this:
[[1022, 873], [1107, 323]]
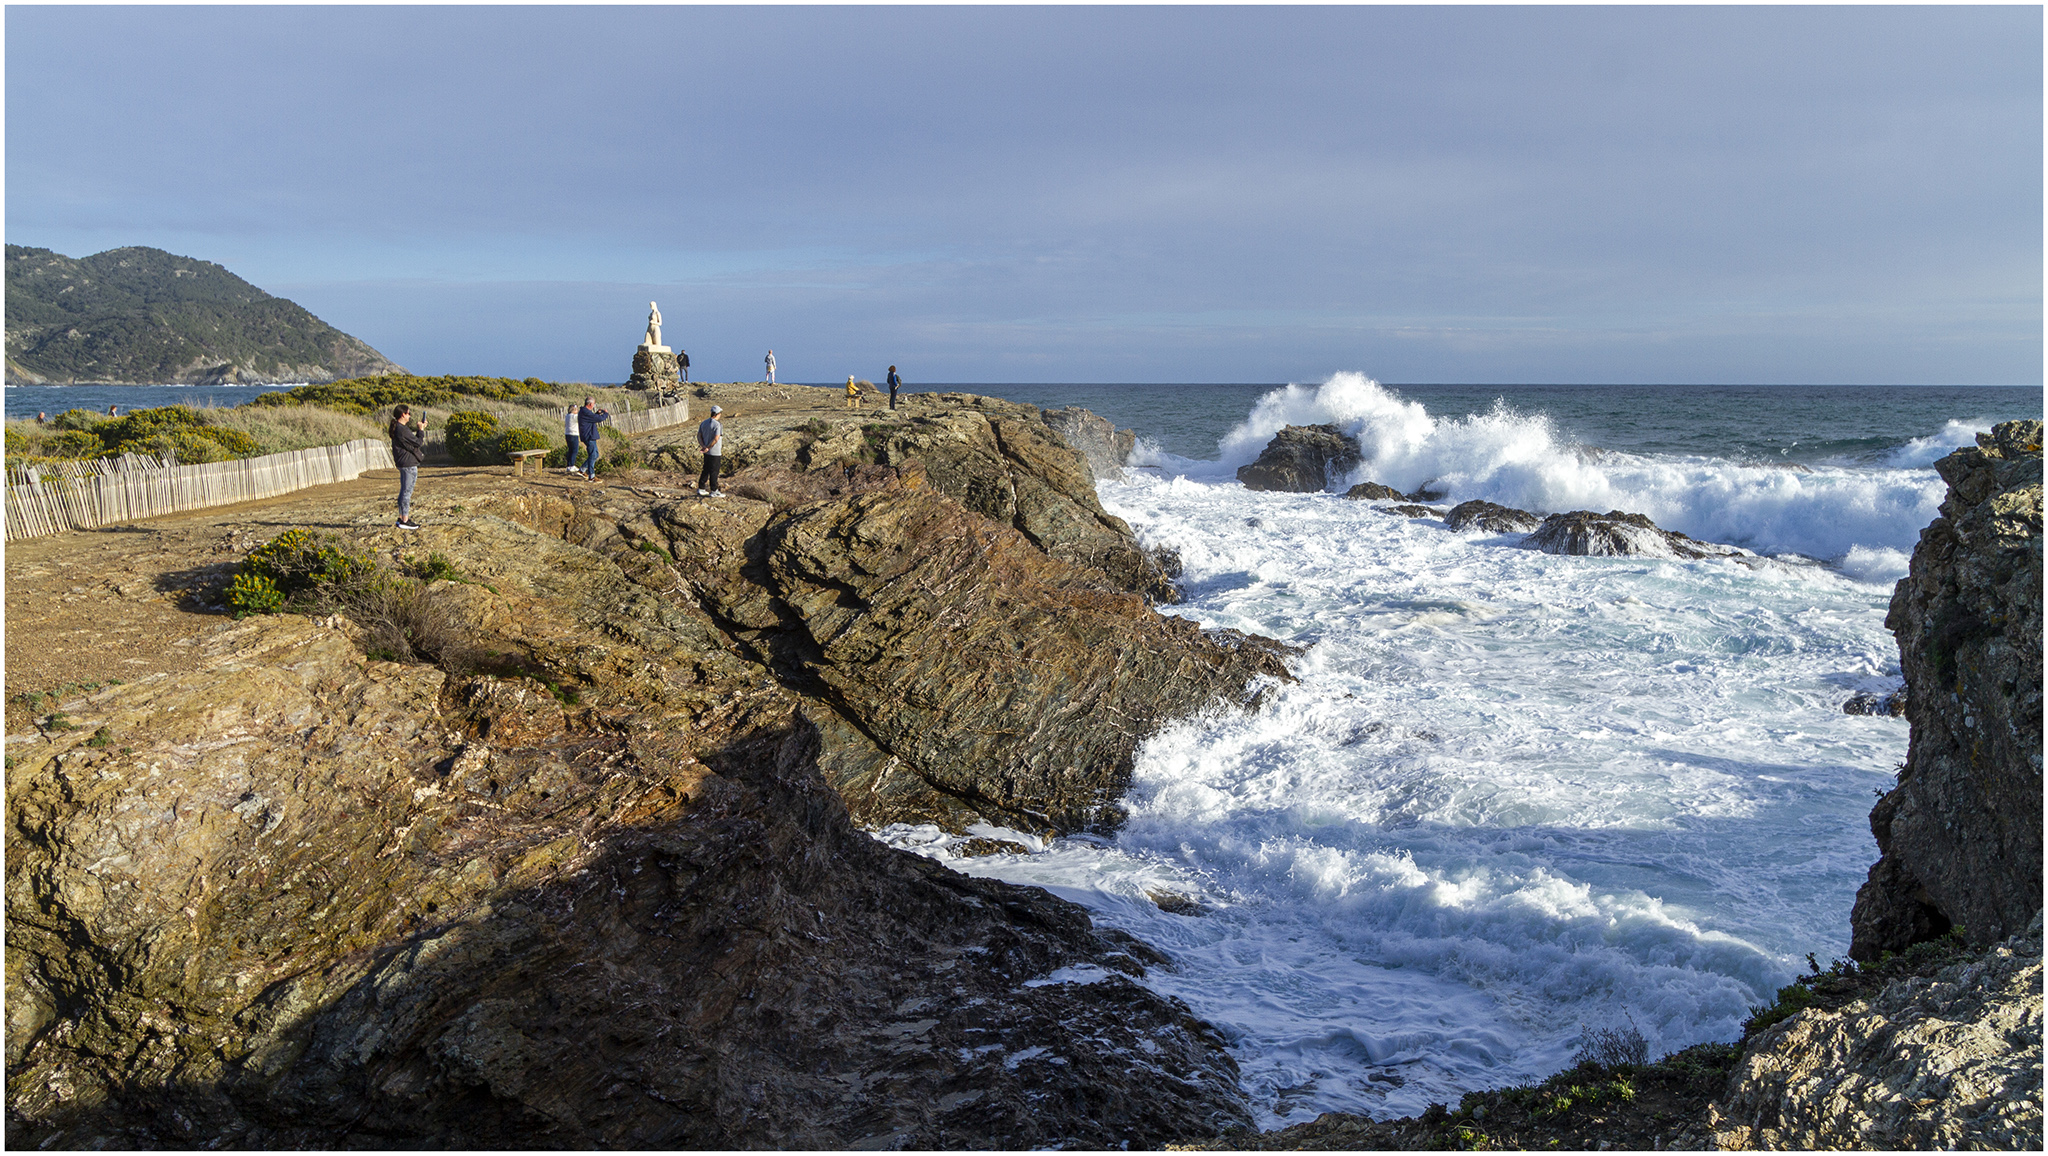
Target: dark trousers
[[892, 397], [707, 478]]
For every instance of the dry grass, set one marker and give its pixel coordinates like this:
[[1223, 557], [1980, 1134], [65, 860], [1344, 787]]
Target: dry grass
[[278, 429]]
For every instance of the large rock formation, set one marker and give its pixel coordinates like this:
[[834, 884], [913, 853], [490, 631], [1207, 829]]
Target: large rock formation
[[584, 883], [1952, 1062], [1960, 836], [1615, 534], [1302, 459], [1106, 447], [997, 458]]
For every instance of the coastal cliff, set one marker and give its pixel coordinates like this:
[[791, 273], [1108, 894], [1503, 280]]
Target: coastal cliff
[[1960, 836], [577, 874]]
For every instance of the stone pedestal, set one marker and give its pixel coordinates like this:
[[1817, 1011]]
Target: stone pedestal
[[654, 367]]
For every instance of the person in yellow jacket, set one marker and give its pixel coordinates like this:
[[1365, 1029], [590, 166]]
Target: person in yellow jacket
[[852, 393]]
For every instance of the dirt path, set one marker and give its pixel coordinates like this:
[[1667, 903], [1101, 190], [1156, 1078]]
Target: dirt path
[[88, 606]]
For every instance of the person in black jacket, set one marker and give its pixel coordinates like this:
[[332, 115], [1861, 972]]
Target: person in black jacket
[[683, 363], [408, 448]]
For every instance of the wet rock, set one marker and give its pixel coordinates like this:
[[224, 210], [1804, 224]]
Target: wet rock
[[1619, 535], [1952, 1062], [1871, 702], [1413, 511], [1960, 837], [1374, 492], [1492, 517], [1104, 446], [1302, 459]]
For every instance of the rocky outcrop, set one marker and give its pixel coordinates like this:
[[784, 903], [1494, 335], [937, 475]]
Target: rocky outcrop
[[1945, 1063], [655, 369], [1492, 518], [585, 883], [1615, 534], [1960, 836], [997, 458], [1374, 492], [1302, 459], [959, 673], [1106, 447]]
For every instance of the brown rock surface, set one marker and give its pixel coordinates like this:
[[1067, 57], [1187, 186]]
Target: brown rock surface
[[1106, 447], [592, 888], [1960, 837], [1944, 1063], [1492, 517], [1302, 459]]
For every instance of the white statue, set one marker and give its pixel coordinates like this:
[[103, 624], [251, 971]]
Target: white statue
[[653, 325]]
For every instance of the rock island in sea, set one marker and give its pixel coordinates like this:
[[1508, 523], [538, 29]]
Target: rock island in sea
[[544, 828]]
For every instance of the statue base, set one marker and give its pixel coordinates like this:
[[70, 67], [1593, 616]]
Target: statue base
[[654, 367]]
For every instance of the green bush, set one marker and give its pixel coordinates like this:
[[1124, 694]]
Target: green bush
[[83, 419], [472, 436], [616, 451], [363, 395], [76, 443], [254, 594], [520, 438]]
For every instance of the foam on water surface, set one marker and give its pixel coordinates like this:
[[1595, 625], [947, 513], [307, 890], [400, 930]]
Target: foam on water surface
[[1510, 795]]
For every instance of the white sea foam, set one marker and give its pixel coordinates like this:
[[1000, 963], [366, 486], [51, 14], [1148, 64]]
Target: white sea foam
[[1510, 794], [1519, 460], [1926, 451]]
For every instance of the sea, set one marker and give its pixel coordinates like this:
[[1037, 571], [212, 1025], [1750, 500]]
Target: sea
[[1511, 797]]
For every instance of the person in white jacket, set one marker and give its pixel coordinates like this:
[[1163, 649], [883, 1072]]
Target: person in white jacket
[[769, 361], [575, 437]]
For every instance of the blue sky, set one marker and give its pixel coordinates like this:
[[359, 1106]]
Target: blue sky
[[1076, 194]]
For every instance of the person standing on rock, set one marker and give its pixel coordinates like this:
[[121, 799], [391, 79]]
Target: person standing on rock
[[587, 420], [769, 361], [711, 440], [683, 364], [408, 449], [572, 431], [895, 383]]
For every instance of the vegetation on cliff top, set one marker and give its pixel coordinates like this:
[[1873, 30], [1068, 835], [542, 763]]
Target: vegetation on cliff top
[[141, 315]]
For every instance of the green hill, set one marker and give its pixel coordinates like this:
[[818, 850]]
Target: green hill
[[137, 316]]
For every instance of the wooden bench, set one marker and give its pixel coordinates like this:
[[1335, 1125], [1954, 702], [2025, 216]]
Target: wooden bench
[[519, 460]]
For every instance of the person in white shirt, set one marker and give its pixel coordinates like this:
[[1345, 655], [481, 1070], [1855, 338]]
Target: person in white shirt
[[574, 433], [769, 361]]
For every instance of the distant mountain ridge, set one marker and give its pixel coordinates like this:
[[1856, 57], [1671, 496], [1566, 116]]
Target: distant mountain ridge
[[143, 316]]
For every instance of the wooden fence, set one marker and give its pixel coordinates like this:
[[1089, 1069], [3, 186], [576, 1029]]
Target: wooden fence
[[52, 496]]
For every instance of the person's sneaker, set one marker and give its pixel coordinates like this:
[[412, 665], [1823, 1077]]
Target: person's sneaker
[[702, 493], [718, 493], [408, 524]]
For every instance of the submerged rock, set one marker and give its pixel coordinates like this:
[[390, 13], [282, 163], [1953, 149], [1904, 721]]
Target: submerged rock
[[1106, 447], [1374, 492], [1616, 534], [1871, 702], [1960, 837], [1302, 459], [1493, 518], [1948, 1063]]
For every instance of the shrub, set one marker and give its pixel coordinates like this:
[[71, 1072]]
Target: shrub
[[521, 438], [364, 395], [79, 419], [617, 452], [471, 436], [75, 443], [1613, 1047], [254, 594]]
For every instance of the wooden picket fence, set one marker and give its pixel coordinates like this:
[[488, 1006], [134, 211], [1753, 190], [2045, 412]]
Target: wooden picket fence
[[51, 496]]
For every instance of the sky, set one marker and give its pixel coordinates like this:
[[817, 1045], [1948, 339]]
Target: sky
[[1075, 194]]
